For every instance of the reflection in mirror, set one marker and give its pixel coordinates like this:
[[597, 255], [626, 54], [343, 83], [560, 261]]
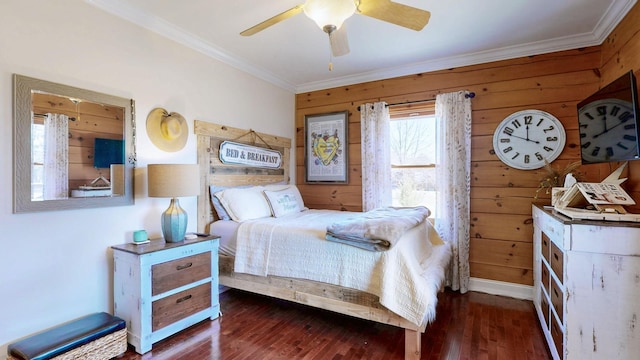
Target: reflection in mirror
[[74, 148]]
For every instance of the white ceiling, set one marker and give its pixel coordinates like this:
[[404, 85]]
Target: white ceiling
[[294, 54]]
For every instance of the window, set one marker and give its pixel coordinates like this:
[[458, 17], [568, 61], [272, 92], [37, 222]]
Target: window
[[413, 156], [37, 161]]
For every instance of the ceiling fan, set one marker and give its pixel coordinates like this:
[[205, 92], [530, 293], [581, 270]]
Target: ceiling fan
[[330, 15]]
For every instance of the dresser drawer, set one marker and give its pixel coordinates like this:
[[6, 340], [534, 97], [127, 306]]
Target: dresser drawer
[[544, 305], [558, 337], [556, 299], [180, 305], [545, 278], [545, 247], [552, 228], [172, 274], [557, 261]]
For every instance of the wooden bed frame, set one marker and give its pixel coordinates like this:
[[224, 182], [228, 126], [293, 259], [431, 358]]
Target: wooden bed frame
[[321, 295]]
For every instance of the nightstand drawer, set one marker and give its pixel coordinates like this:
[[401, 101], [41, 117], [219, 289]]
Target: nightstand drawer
[[172, 274], [180, 305]]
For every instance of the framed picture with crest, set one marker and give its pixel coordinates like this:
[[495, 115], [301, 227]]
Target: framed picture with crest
[[325, 148]]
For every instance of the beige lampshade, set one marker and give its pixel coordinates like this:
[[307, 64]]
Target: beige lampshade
[[173, 180]]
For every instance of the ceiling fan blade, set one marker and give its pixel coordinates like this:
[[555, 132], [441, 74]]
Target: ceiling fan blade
[[395, 13], [272, 21], [339, 41]]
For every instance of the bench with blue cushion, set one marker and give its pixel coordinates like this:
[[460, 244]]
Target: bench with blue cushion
[[95, 336]]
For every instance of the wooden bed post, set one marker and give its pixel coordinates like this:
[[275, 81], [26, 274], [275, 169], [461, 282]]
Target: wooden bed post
[[412, 344]]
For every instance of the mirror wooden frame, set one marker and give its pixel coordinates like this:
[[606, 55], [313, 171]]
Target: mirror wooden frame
[[23, 87]]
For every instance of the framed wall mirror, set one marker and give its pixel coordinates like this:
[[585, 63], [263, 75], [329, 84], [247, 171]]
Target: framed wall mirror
[[73, 148]]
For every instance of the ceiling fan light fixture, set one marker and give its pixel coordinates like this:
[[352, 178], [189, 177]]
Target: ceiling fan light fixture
[[329, 12]]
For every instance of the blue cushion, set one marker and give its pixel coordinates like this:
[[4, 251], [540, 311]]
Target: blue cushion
[[63, 338]]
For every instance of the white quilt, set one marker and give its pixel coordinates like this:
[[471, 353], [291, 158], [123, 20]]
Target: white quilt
[[406, 277]]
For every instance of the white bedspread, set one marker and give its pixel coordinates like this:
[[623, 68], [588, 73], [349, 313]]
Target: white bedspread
[[406, 277]]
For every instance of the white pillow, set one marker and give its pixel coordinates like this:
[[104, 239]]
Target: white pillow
[[283, 201], [244, 204], [294, 190]]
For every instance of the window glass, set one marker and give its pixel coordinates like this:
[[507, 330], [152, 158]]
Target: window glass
[[413, 158], [37, 158]]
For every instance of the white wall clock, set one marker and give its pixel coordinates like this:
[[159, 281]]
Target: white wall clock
[[607, 131], [525, 139]]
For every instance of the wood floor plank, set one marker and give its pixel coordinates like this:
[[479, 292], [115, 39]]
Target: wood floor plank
[[469, 326]]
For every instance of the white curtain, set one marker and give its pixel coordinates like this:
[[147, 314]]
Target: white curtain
[[453, 117], [56, 157], [376, 155]]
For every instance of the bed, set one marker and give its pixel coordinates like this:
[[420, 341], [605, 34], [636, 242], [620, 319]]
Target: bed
[[361, 283]]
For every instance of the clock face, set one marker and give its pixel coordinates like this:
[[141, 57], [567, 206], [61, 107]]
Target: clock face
[[607, 131], [525, 139]]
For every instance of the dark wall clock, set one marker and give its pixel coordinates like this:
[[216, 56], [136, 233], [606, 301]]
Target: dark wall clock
[[525, 139]]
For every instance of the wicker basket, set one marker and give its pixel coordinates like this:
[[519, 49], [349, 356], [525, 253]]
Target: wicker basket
[[103, 348]]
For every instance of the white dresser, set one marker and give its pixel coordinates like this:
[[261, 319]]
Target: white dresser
[[587, 286], [161, 288]]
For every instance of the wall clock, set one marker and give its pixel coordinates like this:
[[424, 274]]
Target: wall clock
[[607, 130], [525, 139]]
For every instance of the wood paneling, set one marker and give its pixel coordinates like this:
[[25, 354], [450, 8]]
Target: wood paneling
[[500, 196]]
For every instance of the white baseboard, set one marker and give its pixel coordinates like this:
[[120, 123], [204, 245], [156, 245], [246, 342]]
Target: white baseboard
[[518, 291]]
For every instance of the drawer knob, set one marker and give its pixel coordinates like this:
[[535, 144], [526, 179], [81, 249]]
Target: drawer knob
[[185, 266], [184, 298]]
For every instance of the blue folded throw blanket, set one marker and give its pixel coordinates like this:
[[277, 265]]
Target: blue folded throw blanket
[[376, 230]]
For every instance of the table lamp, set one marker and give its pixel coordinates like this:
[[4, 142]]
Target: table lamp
[[173, 181]]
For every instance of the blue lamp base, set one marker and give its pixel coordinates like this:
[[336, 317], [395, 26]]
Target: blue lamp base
[[174, 222]]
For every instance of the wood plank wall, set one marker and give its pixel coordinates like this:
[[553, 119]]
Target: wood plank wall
[[92, 121], [501, 197]]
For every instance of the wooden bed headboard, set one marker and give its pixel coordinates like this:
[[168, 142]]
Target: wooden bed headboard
[[213, 171]]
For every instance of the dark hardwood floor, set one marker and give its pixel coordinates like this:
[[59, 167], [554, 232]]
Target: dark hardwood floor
[[470, 326]]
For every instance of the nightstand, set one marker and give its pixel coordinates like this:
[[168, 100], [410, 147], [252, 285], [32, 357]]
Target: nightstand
[[162, 288]]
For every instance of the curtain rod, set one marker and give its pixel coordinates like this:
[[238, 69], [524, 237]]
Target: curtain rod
[[469, 95], [45, 115]]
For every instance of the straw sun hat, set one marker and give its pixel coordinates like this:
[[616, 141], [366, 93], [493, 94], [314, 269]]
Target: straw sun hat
[[167, 131]]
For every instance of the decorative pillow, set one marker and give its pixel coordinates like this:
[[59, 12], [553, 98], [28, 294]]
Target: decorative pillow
[[244, 203], [217, 206], [285, 201]]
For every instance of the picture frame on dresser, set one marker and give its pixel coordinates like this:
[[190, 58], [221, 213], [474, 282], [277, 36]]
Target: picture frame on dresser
[[326, 148]]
